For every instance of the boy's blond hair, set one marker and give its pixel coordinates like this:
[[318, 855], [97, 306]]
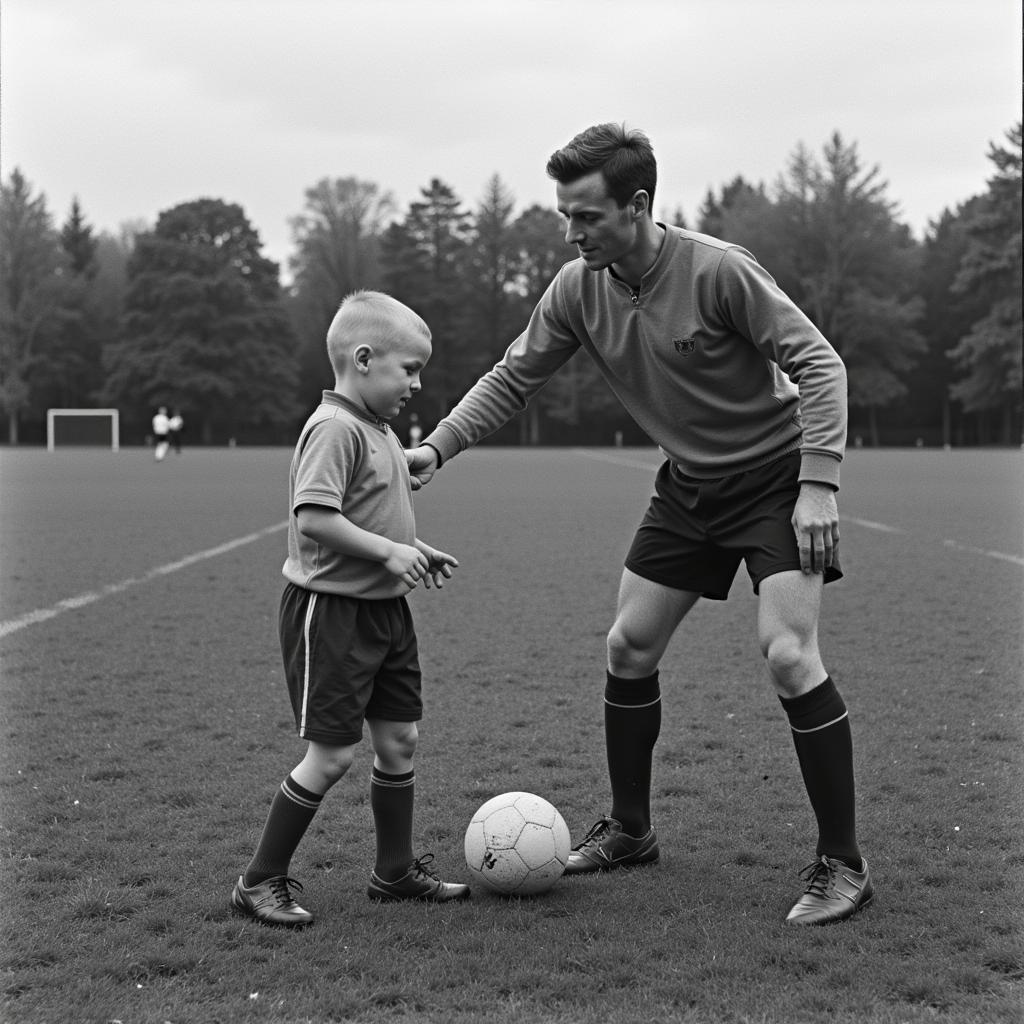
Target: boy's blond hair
[[370, 318]]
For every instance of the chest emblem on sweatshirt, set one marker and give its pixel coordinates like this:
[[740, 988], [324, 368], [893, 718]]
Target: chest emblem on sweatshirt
[[684, 346]]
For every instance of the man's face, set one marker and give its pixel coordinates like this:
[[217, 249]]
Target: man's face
[[603, 232]]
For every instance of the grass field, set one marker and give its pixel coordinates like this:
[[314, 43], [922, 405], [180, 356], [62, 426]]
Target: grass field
[[145, 727]]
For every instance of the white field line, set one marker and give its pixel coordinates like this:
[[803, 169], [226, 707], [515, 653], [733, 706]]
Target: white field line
[[869, 524], [971, 549], [91, 596]]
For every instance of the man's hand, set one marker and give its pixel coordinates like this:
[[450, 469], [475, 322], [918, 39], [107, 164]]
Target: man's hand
[[816, 524], [422, 465]]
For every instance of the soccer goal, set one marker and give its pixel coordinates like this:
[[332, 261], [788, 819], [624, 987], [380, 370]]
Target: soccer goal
[[94, 428]]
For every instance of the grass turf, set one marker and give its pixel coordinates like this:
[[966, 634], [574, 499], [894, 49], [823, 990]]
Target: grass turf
[[145, 730]]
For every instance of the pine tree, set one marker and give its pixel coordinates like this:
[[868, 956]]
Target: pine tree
[[989, 356]]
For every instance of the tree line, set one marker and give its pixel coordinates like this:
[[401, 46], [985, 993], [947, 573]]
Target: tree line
[[190, 313]]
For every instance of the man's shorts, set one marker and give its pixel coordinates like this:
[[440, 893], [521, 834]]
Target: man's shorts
[[347, 659], [696, 532]]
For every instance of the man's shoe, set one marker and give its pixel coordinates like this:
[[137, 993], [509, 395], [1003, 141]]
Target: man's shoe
[[270, 902], [834, 892], [418, 883], [606, 847]]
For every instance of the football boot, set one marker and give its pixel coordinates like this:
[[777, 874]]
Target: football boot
[[834, 892], [419, 883], [607, 847], [271, 902]]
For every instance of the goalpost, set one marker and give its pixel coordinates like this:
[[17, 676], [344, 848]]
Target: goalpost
[[97, 428]]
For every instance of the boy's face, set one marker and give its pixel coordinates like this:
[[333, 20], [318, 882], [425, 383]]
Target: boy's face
[[390, 375]]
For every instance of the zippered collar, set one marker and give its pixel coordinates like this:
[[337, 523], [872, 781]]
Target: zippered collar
[[669, 240]]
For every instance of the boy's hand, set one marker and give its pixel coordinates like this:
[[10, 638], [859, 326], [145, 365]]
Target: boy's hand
[[408, 563], [422, 465], [439, 568]]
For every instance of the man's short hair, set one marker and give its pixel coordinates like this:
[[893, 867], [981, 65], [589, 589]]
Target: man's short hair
[[370, 317], [624, 157]]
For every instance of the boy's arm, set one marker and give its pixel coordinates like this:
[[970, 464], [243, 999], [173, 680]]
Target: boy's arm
[[330, 528], [441, 565]]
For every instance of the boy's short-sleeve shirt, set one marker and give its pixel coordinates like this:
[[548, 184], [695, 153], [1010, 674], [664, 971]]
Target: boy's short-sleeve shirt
[[348, 460]]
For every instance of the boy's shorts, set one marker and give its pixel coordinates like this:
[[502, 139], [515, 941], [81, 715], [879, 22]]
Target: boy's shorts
[[347, 659], [696, 532]]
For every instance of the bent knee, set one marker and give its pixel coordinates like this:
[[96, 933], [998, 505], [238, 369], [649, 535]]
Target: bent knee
[[793, 662], [330, 763], [630, 653], [403, 742], [395, 744]]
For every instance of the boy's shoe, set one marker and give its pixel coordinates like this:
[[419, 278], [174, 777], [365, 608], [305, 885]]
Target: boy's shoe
[[418, 883], [834, 892], [270, 902], [606, 847]]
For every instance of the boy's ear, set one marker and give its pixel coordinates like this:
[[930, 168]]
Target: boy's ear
[[361, 356]]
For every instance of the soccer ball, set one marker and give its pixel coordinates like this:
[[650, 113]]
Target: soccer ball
[[517, 844]]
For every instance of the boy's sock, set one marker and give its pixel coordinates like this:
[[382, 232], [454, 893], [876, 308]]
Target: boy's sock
[[824, 747], [290, 814], [632, 721], [391, 800]]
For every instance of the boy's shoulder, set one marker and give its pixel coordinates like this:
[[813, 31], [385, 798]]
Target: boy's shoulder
[[340, 430]]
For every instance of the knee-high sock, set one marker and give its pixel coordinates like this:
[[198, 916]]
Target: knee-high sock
[[291, 811], [632, 721], [824, 747], [391, 800]]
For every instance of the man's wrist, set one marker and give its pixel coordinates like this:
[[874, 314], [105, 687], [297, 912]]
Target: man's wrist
[[435, 450]]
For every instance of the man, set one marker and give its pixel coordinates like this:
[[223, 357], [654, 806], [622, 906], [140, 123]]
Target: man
[[748, 403]]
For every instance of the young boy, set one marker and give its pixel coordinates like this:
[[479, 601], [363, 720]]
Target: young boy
[[347, 636]]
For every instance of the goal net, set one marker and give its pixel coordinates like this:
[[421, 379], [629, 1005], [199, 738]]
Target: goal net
[[94, 428]]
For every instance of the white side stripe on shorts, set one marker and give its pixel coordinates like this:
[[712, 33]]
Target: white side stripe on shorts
[[818, 728], [305, 663]]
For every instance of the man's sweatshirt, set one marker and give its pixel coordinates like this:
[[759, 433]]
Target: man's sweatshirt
[[709, 356]]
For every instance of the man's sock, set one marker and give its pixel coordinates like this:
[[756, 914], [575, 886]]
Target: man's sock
[[632, 721], [391, 800], [824, 747], [290, 814]]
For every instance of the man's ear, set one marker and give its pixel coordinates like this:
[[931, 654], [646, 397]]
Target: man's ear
[[361, 356], [640, 204]]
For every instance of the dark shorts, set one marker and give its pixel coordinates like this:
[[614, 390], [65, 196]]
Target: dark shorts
[[347, 659], [696, 532]]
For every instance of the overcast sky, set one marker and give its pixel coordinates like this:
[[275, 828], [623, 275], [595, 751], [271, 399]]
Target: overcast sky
[[138, 105]]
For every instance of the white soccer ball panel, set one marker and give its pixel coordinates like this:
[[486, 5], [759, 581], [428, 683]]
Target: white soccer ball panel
[[540, 879], [536, 809], [501, 870], [476, 845], [503, 827], [501, 800], [536, 845]]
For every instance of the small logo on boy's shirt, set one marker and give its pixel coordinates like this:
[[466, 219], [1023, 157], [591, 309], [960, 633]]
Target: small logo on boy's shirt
[[684, 346]]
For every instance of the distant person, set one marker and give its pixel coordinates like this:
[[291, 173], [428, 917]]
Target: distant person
[[161, 430], [748, 403], [415, 431], [347, 636], [175, 425]]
